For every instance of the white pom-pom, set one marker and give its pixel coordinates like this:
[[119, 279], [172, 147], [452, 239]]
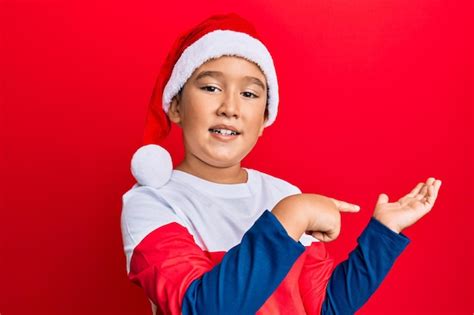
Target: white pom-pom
[[152, 166]]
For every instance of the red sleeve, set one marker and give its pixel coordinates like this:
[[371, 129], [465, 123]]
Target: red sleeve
[[314, 277], [165, 263]]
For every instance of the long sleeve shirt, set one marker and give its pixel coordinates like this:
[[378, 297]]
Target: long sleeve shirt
[[198, 247]]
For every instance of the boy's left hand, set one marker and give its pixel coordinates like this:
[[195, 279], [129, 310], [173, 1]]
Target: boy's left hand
[[408, 209]]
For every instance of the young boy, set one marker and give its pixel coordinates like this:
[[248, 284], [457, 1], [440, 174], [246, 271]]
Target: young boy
[[217, 238]]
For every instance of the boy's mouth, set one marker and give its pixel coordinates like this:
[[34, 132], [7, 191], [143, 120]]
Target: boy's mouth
[[224, 132]]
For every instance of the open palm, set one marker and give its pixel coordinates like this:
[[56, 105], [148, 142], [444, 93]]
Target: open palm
[[408, 209]]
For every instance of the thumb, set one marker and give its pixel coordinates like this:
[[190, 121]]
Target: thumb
[[322, 237], [318, 235], [383, 198]]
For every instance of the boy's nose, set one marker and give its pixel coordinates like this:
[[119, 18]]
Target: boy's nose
[[229, 106]]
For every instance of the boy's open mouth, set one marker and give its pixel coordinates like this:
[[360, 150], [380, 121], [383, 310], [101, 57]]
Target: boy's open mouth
[[224, 132]]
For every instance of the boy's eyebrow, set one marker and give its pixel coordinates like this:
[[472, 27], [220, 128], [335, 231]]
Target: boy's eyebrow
[[212, 74], [218, 74], [256, 81]]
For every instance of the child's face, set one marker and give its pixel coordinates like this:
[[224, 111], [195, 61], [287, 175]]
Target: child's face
[[227, 90]]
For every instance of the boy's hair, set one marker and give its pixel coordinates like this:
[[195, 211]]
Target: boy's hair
[[218, 35]]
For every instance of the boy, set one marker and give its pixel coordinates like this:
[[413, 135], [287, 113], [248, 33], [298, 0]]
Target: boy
[[217, 238]]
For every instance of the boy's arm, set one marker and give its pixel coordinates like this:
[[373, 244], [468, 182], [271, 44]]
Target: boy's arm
[[179, 277], [354, 280], [248, 273]]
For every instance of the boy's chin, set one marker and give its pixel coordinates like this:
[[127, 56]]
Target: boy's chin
[[224, 163]]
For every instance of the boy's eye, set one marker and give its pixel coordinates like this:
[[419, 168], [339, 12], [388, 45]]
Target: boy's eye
[[249, 94], [209, 88]]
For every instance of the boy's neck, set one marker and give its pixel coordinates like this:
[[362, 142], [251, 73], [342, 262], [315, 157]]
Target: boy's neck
[[222, 175]]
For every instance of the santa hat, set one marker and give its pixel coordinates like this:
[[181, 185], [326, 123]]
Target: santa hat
[[218, 35]]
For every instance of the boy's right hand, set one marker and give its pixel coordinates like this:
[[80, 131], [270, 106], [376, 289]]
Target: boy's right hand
[[312, 214], [329, 208]]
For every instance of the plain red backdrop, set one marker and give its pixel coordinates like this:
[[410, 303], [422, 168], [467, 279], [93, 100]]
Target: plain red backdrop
[[375, 97]]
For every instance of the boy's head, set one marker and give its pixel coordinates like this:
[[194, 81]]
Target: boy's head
[[215, 39], [221, 110]]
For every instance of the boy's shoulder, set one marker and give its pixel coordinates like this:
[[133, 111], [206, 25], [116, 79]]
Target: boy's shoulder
[[281, 184], [142, 200]]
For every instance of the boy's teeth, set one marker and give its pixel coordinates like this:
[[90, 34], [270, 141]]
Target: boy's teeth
[[224, 132]]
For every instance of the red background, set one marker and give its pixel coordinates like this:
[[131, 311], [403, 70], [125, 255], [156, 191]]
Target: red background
[[375, 97]]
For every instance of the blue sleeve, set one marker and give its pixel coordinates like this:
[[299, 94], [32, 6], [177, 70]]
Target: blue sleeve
[[248, 273], [354, 280]]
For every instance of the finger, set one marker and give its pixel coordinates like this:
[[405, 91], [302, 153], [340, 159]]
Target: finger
[[424, 190], [430, 199], [345, 206], [436, 186], [317, 235], [415, 190], [383, 198], [430, 181], [320, 236], [421, 195], [348, 207]]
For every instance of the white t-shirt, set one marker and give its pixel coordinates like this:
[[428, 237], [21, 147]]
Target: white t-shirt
[[217, 215]]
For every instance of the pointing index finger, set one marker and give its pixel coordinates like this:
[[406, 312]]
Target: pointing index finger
[[345, 206]]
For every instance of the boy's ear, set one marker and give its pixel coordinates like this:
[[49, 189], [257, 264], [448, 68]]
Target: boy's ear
[[173, 110]]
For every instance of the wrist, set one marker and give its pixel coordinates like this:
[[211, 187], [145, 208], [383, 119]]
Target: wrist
[[394, 227]]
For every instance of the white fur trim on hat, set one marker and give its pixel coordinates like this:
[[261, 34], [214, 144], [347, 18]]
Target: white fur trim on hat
[[219, 43]]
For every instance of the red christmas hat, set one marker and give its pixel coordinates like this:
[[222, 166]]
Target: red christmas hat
[[218, 35]]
